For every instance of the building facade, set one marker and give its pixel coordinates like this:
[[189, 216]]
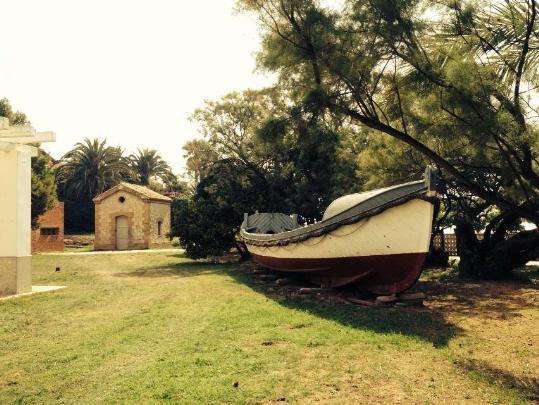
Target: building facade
[[49, 236], [129, 217]]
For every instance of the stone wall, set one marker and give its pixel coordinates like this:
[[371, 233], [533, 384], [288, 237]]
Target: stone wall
[[49, 237], [159, 212], [106, 212]]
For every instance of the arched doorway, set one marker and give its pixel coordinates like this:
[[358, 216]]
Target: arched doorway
[[122, 233]]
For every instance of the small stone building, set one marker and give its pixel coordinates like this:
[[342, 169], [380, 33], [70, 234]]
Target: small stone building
[[129, 216], [49, 236]]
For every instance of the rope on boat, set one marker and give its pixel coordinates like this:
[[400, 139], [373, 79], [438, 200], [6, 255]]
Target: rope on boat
[[359, 225], [331, 227], [290, 247]]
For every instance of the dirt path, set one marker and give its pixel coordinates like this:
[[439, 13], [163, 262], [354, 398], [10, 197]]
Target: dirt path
[[113, 252]]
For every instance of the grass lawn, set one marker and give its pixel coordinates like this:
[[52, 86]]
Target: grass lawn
[[156, 327]]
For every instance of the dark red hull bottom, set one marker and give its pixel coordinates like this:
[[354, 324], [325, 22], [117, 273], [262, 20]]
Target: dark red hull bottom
[[383, 274]]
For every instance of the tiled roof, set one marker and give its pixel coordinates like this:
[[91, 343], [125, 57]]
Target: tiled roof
[[144, 192]]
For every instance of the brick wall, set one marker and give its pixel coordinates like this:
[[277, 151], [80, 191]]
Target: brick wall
[[49, 237]]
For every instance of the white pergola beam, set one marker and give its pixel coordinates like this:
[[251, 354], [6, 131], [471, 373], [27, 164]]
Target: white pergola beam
[[17, 131], [37, 137], [8, 146]]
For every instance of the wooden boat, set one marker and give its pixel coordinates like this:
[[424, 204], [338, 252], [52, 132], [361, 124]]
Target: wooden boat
[[376, 241]]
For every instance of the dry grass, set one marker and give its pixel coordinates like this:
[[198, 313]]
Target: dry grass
[[155, 327]]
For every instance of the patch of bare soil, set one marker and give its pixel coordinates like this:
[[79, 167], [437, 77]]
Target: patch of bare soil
[[500, 324]]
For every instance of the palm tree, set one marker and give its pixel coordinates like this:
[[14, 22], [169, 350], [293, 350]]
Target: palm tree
[[508, 36], [147, 165], [91, 168]]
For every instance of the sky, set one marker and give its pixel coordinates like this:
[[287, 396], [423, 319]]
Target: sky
[[130, 71]]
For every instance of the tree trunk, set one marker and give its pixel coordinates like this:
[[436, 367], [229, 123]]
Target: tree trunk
[[479, 259]]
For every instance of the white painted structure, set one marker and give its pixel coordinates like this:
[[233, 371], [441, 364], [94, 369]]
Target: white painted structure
[[15, 205]]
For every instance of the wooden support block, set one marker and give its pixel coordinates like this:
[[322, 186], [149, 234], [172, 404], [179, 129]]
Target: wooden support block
[[416, 303], [358, 301], [411, 297], [306, 290], [386, 299]]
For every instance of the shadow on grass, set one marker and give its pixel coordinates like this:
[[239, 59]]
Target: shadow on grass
[[420, 323], [485, 299], [446, 295], [184, 269], [527, 386]]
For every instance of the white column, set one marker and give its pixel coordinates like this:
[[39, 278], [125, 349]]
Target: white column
[[15, 228], [15, 207]]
